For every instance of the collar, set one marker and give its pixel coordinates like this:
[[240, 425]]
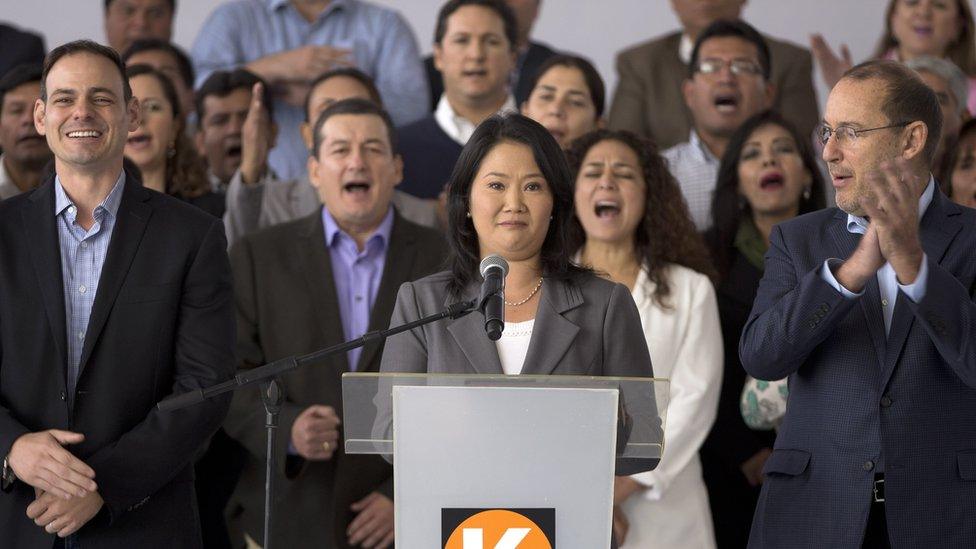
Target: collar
[[685, 47], [382, 232], [275, 5], [700, 149], [110, 204], [456, 126], [857, 224]]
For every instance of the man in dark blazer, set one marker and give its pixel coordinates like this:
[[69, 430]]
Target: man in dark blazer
[[308, 284], [870, 309], [19, 47], [649, 101], [112, 297]]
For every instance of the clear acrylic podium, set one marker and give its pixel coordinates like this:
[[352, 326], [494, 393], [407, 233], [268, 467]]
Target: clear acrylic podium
[[543, 447]]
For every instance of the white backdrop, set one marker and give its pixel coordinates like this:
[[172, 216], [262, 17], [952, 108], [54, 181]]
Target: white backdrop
[[595, 28]]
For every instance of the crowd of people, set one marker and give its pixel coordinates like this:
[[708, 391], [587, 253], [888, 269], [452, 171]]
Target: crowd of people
[[680, 226]]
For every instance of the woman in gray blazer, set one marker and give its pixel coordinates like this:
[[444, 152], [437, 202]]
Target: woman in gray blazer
[[511, 194]]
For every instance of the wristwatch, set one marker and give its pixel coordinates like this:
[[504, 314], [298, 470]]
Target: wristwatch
[[7, 477]]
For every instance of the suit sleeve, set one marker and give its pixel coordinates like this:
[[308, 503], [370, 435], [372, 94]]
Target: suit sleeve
[[405, 352], [627, 109], [947, 312], [695, 382], [626, 355], [150, 455], [793, 314], [243, 206], [797, 97], [246, 420]]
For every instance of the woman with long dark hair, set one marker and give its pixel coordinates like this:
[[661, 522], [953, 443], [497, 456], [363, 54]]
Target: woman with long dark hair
[[634, 228], [768, 175]]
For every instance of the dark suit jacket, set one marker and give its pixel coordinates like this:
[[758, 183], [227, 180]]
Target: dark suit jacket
[[858, 397], [528, 63], [649, 102], [287, 305], [162, 323]]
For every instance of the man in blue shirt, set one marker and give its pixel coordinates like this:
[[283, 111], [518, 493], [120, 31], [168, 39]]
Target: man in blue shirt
[[289, 43]]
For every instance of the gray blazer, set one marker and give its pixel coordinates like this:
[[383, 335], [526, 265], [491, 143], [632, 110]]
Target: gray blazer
[[586, 328], [590, 328]]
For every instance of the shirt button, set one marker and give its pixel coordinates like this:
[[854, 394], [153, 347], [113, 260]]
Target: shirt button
[[359, 298], [884, 302], [886, 401], [84, 245], [868, 465], [71, 209], [81, 335], [82, 289]]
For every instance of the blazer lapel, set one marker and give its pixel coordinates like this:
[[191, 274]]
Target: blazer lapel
[[313, 256], [41, 231], [845, 243], [396, 269], [552, 333], [936, 232], [130, 224], [469, 334]]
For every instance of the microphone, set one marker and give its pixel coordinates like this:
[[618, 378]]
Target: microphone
[[493, 268]]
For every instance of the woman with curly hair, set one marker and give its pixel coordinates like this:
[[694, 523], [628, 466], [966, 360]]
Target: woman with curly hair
[[632, 226], [160, 147], [768, 175]]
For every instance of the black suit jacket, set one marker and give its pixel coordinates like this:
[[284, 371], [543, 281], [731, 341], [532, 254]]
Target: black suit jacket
[[162, 323], [287, 305]]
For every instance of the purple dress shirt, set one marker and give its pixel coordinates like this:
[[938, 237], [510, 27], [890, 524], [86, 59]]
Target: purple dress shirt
[[356, 275]]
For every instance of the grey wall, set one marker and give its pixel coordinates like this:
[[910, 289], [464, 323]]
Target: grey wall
[[597, 29]]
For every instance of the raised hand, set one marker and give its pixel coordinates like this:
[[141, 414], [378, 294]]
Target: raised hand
[[257, 137], [315, 433], [832, 66], [864, 263], [893, 209], [40, 460]]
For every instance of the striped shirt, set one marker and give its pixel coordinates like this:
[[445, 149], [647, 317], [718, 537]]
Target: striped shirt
[[82, 256], [696, 169]]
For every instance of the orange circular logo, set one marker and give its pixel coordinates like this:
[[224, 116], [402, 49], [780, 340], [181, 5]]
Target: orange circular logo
[[498, 529]]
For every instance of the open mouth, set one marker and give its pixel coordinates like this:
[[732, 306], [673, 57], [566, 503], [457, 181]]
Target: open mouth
[[727, 103], [606, 209], [233, 151], [923, 31], [84, 134], [839, 180], [356, 187], [771, 182], [139, 141]]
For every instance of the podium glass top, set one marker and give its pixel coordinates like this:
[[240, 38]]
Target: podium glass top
[[367, 403]]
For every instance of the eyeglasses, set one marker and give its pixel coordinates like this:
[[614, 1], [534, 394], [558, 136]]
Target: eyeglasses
[[845, 135], [736, 66]]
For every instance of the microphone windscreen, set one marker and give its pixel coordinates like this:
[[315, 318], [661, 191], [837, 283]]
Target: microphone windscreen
[[494, 261]]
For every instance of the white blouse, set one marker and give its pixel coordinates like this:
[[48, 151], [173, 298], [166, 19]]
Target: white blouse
[[513, 345]]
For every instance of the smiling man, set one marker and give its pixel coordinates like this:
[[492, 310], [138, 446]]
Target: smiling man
[[112, 297], [728, 82], [315, 282], [24, 150]]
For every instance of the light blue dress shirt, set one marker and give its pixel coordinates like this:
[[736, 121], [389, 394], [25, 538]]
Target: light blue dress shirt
[[382, 43], [887, 279], [82, 256]]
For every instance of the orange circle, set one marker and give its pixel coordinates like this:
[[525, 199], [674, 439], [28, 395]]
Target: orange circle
[[493, 524]]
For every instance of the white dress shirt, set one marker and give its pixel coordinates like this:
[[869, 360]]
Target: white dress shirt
[[696, 169], [7, 187], [456, 126]]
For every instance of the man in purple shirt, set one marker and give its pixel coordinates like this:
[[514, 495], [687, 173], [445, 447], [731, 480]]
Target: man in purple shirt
[[314, 282]]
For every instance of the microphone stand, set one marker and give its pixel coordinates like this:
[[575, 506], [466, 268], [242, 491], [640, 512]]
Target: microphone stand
[[272, 395]]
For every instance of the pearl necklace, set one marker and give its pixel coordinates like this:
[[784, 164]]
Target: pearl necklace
[[526, 300]]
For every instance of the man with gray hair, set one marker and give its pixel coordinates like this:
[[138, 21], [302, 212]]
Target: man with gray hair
[[952, 88]]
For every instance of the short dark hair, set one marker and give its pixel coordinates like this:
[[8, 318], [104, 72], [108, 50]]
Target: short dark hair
[[84, 46], [172, 4], [908, 98], [461, 234], [738, 29], [19, 75], [222, 83], [729, 211], [348, 72], [598, 91], [498, 6], [155, 44], [354, 105]]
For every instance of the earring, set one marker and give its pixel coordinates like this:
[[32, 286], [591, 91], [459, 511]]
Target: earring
[[468, 214], [171, 151], [806, 193]]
